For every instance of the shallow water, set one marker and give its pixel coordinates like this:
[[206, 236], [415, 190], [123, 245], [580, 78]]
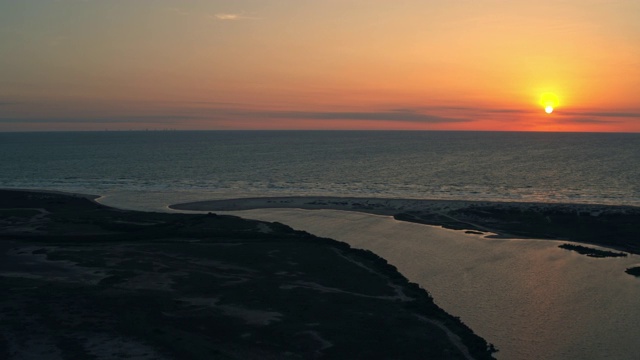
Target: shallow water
[[528, 297]]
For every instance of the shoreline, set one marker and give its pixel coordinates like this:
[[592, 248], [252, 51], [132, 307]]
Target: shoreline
[[592, 224]]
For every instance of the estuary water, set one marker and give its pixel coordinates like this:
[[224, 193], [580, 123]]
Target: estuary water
[[529, 298]]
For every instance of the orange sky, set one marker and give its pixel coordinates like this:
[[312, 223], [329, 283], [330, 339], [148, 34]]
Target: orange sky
[[331, 64]]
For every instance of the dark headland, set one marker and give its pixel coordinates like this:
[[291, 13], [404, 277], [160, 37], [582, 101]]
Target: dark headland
[[591, 252], [81, 280]]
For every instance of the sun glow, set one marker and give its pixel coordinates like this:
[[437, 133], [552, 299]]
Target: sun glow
[[548, 101]]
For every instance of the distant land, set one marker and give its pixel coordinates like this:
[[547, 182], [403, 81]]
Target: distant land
[[591, 252], [81, 280], [616, 227]]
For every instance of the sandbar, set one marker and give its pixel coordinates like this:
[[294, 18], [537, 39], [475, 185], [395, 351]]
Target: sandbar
[[611, 226]]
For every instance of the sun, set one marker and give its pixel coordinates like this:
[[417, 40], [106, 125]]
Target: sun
[[549, 101]]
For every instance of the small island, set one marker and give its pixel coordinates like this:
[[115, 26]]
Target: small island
[[591, 252], [635, 271]]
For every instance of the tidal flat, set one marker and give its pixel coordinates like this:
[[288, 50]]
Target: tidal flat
[[84, 281]]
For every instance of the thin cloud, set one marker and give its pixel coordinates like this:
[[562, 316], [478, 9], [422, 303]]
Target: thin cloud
[[510, 111], [163, 119], [227, 16], [615, 114], [217, 16], [232, 17], [374, 116], [587, 121], [468, 109], [406, 116], [576, 114]]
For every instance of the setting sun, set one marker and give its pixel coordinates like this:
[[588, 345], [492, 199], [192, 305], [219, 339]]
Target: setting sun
[[549, 101]]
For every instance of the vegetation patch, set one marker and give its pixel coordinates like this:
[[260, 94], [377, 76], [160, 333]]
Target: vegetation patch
[[635, 271], [591, 252]]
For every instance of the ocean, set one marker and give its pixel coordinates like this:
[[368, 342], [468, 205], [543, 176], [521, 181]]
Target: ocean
[[529, 298], [495, 166]]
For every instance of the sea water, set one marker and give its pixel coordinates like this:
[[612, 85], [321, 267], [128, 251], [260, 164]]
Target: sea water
[[501, 166], [529, 298]]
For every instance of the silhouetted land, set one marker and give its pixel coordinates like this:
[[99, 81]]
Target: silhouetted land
[[591, 252], [610, 226], [635, 271], [82, 281]]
